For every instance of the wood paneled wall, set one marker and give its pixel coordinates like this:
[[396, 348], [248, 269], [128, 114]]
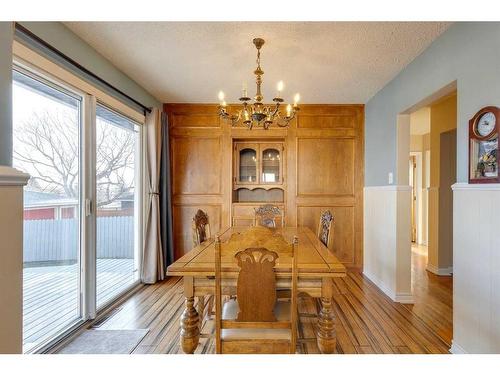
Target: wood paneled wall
[[324, 170]]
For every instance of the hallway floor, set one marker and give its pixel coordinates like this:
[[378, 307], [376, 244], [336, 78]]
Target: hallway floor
[[433, 295], [367, 320]]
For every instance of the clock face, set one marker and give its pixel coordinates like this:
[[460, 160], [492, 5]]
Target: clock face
[[486, 124]]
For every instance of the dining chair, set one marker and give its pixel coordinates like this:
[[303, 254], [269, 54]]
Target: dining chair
[[255, 322], [200, 228], [200, 231], [266, 216], [325, 227]]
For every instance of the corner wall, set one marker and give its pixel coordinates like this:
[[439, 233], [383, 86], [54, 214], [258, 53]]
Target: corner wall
[[451, 60], [11, 260], [476, 281]]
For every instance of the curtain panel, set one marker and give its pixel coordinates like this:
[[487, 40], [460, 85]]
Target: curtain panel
[[153, 265], [167, 242]]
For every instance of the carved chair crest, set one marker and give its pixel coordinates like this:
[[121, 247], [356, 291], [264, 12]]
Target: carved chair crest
[[266, 215], [325, 225], [256, 286], [200, 222]]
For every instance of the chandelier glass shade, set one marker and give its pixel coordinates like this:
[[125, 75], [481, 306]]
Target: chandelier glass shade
[[257, 113]]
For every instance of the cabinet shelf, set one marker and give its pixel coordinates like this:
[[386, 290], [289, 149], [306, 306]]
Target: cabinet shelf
[[242, 185]]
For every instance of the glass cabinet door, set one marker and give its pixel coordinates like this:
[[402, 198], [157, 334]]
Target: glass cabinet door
[[271, 164], [247, 172]]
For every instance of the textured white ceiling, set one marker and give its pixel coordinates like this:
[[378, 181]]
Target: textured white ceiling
[[327, 62]]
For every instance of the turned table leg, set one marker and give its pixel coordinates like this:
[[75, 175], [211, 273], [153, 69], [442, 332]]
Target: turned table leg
[[190, 321], [201, 310], [326, 321]]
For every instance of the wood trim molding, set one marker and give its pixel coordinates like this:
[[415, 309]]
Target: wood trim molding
[[12, 177], [478, 187], [390, 187]]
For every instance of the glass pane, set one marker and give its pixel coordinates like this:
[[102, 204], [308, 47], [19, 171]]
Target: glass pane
[[46, 124], [248, 165], [484, 158], [270, 165], [117, 143]]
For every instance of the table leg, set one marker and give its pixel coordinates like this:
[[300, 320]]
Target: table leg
[[326, 321], [201, 310], [190, 321]]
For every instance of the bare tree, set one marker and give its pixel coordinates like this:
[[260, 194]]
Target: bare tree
[[47, 148]]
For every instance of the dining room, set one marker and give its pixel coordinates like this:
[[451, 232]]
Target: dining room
[[196, 187]]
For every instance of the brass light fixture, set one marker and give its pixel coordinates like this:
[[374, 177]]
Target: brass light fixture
[[257, 113]]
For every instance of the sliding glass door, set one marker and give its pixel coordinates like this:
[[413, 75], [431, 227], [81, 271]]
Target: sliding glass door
[[117, 219], [75, 151], [47, 128]]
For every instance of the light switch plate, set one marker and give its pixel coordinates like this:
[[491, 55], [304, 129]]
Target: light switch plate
[[391, 178]]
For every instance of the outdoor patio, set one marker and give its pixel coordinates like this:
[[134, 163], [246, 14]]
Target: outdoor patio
[[51, 299]]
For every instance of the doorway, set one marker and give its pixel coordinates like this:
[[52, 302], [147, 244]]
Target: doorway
[[431, 160]]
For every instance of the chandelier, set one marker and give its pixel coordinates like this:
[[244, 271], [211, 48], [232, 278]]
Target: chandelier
[[257, 113]]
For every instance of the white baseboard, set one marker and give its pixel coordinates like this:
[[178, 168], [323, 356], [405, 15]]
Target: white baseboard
[[456, 349], [406, 298], [445, 271]]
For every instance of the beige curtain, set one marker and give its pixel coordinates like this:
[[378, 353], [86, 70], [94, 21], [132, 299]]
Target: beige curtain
[[152, 260]]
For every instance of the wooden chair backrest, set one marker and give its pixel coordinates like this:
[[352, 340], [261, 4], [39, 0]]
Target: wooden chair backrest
[[266, 216], [325, 227], [200, 228], [256, 292], [256, 285]]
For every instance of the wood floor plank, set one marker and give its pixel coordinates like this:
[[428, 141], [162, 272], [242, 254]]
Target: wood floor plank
[[367, 321]]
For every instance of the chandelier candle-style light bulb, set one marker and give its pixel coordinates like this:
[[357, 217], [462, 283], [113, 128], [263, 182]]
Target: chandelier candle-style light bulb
[[255, 111], [279, 86], [296, 99], [221, 96]]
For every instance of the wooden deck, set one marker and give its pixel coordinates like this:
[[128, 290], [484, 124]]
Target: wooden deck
[[51, 299], [367, 320]]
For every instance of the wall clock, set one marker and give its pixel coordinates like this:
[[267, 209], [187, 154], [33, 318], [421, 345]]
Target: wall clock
[[484, 129]]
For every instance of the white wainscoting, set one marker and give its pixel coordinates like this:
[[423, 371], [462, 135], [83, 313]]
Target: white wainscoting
[[476, 268], [387, 240]]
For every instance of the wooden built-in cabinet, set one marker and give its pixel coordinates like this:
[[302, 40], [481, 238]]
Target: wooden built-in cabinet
[[321, 167], [258, 167], [258, 163]]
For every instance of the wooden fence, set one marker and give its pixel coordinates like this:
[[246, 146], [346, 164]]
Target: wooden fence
[[57, 240]]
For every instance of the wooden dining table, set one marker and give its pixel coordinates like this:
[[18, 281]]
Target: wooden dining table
[[317, 266]]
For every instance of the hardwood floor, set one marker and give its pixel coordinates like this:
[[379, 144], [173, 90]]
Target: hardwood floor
[[367, 320]]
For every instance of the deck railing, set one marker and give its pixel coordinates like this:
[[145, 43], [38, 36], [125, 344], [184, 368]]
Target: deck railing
[[56, 241]]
